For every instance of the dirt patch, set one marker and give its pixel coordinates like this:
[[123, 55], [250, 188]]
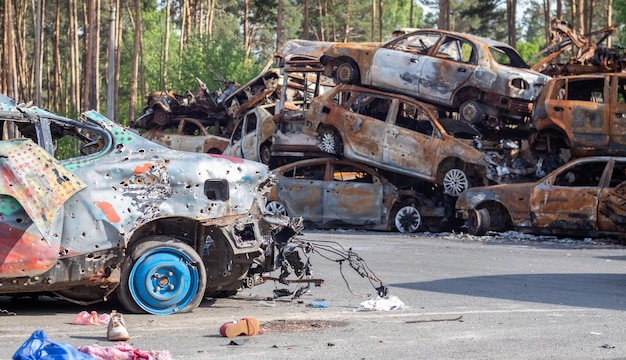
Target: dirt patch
[[300, 325]]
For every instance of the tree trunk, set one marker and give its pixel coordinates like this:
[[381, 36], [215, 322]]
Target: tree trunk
[[37, 67], [166, 45], [380, 20], [279, 24], [75, 98], [305, 26], [609, 19], [55, 94], [373, 20], [135, 60], [511, 7], [547, 20], [444, 15]]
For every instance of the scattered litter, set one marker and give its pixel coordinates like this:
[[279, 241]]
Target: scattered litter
[[460, 318], [91, 318], [122, 350], [320, 304], [386, 303], [40, 346], [595, 333], [608, 346], [237, 342], [268, 303]]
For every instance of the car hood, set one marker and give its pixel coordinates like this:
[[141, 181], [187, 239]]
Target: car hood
[[507, 194]]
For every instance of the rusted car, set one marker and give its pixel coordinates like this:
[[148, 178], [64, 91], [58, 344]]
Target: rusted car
[[585, 197], [474, 76], [157, 227], [581, 115], [398, 133], [252, 137], [190, 135], [330, 193]]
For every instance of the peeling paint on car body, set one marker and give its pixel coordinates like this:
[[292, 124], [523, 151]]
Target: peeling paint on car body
[[444, 68], [66, 224], [581, 198]]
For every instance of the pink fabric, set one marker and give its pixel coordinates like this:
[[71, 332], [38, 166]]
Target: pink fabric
[[85, 318], [123, 351]]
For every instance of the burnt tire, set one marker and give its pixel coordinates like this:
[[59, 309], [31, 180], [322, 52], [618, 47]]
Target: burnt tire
[[161, 275], [160, 117], [471, 112], [329, 142], [347, 72], [407, 219], [455, 181], [478, 222], [265, 154]]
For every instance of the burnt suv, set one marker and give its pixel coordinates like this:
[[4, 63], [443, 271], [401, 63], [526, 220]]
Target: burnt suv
[[581, 115], [399, 134], [157, 227]]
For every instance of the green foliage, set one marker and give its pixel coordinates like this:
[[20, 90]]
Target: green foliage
[[527, 50], [482, 18]]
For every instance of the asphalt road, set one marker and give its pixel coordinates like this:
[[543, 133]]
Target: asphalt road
[[465, 297]]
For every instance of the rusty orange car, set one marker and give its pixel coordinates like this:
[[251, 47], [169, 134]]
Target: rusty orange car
[[584, 197], [399, 134], [584, 115]]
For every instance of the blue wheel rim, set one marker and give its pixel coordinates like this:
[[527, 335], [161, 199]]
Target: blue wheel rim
[[163, 281]]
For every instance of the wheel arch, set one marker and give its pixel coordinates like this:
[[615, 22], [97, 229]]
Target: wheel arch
[[499, 214]]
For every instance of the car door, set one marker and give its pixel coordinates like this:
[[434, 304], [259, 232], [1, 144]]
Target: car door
[[617, 114], [352, 196], [301, 190], [569, 198], [398, 64], [579, 105], [411, 140], [363, 123], [190, 136], [612, 203], [249, 144], [446, 68]]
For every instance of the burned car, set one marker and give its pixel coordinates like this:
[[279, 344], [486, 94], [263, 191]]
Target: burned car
[[581, 115], [158, 228], [400, 134], [473, 76], [330, 193], [585, 197], [190, 135]]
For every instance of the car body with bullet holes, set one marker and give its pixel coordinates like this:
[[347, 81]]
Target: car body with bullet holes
[[477, 77], [158, 228]]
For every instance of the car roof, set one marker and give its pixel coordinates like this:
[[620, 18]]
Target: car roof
[[474, 38]]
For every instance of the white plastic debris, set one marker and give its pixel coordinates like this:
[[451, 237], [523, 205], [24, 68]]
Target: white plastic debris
[[389, 302]]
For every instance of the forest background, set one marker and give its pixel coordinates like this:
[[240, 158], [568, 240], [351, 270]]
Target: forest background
[[63, 54]]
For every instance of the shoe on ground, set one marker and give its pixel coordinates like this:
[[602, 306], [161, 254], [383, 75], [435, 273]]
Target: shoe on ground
[[117, 328], [245, 326]]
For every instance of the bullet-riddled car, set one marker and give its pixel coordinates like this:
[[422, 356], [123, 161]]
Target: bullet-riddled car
[[160, 228], [399, 134], [584, 197], [467, 74], [584, 115]]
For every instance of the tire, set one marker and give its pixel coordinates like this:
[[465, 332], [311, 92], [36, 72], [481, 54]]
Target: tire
[[265, 154], [329, 142], [160, 117], [162, 276], [471, 112], [478, 222], [347, 73], [407, 219], [455, 181], [275, 208]]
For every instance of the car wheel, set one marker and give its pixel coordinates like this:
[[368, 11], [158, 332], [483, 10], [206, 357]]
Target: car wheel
[[265, 154], [275, 208], [162, 276], [160, 117], [329, 142], [347, 73], [478, 222], [407, 219], [471, 112], [455, 181]]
